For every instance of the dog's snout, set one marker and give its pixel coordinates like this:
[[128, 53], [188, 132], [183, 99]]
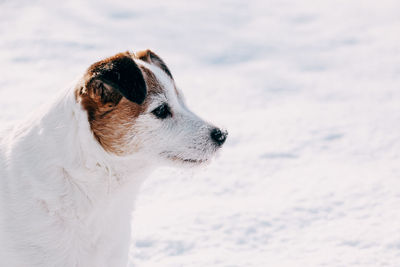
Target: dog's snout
[[218, 136]]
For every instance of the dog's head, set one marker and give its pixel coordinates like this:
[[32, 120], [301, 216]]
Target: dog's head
[[134, 105]]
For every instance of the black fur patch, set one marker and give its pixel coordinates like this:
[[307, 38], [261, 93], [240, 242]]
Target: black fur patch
[[117, 75]]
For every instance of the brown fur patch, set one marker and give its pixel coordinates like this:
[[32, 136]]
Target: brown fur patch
[[113, 127], [153, 85], [110, 114]]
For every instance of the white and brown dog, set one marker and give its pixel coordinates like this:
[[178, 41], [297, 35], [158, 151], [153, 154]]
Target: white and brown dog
[[69, 175]]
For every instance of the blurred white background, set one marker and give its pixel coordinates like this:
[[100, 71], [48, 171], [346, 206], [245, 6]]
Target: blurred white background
[[310, 94]]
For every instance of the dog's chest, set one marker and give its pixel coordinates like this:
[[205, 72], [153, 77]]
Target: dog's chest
[[75, 229], [101, 237]]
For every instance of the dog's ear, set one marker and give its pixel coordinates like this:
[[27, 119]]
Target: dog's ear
[[110, 79], [152, 58]]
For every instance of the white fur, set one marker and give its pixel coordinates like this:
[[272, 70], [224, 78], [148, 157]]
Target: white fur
[[65, 201]]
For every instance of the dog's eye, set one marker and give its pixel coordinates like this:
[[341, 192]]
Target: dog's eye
[[162, 111]]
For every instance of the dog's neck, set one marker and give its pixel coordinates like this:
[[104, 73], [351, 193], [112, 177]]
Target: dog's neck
[[73, 158]]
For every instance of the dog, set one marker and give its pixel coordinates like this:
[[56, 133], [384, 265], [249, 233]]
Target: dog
[[69, 174]]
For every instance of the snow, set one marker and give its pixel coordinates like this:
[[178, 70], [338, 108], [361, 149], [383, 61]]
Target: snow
[[309, 91]]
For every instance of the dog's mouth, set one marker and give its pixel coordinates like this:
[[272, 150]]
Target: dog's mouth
[[195, 161], [184, 159]]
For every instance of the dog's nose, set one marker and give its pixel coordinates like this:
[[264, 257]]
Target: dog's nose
[[218, 136]]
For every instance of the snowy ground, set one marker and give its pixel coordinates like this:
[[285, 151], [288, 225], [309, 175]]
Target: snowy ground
[[310, 94]]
